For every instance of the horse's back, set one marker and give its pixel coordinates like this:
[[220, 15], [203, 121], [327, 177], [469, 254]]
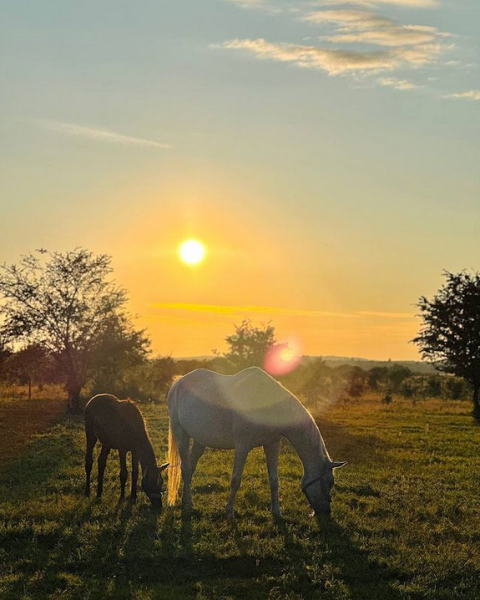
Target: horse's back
[[113, 421], [211, 407]]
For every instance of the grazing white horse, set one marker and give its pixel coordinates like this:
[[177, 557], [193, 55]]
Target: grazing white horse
[[243, 411]]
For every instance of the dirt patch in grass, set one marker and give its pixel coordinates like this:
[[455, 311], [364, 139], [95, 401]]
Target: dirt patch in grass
[[20, 420]]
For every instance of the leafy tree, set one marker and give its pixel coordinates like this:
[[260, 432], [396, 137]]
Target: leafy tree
[[377, 377], [450, 334], [248, 345], [65, 303], [4, 356], [119, 348], [396, 375], [29, 365], [356, 383], [317, 382]]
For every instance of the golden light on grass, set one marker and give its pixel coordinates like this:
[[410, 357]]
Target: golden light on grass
[[191, 252]]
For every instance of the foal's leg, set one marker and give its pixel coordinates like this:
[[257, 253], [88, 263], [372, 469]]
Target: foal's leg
[[91, 441], [102, 463], [195, 454], [240, 457], [271, 455], [134, 476], [123, 472]]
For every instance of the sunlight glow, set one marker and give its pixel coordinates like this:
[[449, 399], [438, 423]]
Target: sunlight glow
[[191, 252], [283, 358]]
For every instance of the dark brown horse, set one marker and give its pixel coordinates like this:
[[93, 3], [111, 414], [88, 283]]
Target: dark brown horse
[[120, 425]]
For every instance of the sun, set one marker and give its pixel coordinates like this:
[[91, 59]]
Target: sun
[[191, 252]]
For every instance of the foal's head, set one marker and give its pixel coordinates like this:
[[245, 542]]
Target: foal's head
[[318, 490], [152, 484]]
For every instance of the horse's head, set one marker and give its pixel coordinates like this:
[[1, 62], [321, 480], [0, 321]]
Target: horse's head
[[152, 484], [318, 489]]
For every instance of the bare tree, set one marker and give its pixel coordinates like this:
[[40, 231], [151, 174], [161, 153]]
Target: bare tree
[[65, 303]]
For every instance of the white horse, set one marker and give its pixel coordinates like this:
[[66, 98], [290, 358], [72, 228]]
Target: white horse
[[244, 411]]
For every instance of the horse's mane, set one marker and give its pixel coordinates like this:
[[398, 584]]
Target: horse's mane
[[306, 421], [135, 418]]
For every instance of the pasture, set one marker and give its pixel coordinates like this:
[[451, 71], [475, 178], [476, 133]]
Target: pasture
[[405, 521]]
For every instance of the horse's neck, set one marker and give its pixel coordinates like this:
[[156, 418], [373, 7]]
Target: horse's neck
[[308, 443], [146, 454]]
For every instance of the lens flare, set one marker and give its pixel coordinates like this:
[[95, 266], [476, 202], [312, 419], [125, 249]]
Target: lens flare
[[282, 358]]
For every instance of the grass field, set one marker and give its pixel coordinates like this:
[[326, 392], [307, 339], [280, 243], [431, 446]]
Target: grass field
[[405, 521]]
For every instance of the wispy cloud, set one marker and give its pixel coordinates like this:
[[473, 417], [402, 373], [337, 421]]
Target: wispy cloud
[[373, 3], [385, 315], [363, 26], [247, 3], [101, 135], [239, 310], [471, 95], [247, 309], [334, 61], [397, 84], [260, 5], [375, 44]]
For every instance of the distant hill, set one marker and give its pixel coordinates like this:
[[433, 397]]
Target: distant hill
[[364, 363]]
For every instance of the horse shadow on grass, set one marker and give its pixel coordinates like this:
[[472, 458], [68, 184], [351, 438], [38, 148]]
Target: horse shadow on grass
[[136, 548]]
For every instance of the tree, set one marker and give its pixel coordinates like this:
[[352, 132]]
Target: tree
[[65, 303], [396, 375], [317, 382], [450, 334], [248, 345], [29, 365], [119, 348]]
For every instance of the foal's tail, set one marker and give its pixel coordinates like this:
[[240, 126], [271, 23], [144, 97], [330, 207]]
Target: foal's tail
[[174, 471]]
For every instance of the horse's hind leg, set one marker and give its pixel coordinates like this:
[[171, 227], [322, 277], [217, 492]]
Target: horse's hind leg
[[240, 457], [102, 463], [123, 472], [271, 455], [195, 454], [183, 442], [91, 441]]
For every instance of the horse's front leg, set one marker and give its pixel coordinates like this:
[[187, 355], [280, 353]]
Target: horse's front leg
[[91, 441], [123, 472], [133, 494], [102, 463], [241, 453], [271, 456]]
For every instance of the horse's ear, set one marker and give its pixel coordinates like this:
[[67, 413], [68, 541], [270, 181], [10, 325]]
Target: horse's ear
[[163, 467], [337, 465]]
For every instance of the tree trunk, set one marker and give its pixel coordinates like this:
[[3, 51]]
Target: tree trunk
[[476, 401], [73, 389], [29, 388]]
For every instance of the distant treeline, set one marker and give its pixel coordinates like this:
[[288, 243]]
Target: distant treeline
[[315, 380]]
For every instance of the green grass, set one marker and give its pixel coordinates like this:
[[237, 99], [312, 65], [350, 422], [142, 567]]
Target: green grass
[[405, 522]]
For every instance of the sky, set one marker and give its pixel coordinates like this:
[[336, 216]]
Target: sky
[[326, 154]]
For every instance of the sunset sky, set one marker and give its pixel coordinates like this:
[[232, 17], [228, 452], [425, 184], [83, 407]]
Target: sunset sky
[[326, 153]]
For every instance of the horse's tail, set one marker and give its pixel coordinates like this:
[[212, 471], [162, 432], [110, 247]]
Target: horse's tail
[[174, 471]]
